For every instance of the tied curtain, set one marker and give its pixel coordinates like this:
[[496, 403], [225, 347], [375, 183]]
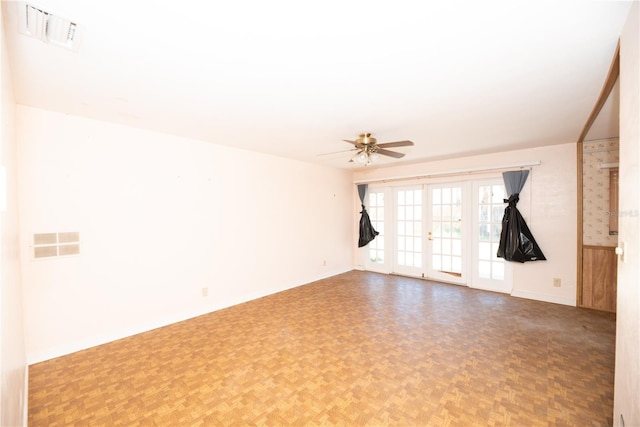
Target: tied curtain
[[516, 241], [367, 233]]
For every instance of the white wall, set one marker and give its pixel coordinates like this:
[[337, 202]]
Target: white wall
[[161, 217], [547, 202], [13, 362], [627, 378]]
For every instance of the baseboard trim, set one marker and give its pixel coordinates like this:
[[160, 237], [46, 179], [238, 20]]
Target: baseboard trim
[[543, 297], [66, 349]]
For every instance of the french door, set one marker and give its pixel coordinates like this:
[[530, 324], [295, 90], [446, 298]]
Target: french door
[[489, 271], [447, 232], [429, 226]]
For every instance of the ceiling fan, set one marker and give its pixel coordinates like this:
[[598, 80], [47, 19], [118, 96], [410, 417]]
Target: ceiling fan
[[369, 149]]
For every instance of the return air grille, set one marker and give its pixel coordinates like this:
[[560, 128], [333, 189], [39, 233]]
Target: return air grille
[[48, 245], [48, 27]]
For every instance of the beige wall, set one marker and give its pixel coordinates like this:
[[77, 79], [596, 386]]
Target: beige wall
[[12, 360], [547, 202], [161, 217], [627, 378]]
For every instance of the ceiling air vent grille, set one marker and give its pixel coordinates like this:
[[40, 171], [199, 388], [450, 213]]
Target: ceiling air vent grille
[[48, 27]]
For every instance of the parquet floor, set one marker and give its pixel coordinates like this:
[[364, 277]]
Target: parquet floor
[[356, 349]]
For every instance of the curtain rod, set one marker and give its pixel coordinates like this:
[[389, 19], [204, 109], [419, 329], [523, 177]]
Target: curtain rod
[[451, 172]]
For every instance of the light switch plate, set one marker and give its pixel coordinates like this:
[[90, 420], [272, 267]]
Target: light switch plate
[[621, 251]]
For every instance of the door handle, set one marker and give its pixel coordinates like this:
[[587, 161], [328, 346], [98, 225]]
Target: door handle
[[430, 237]]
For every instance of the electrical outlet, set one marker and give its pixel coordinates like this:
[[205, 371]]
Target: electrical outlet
[[205, 292], [556, 282], [324, 263]]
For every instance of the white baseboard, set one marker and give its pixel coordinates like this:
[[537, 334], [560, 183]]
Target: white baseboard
[[543, 297], [69, 348], [324, 276]]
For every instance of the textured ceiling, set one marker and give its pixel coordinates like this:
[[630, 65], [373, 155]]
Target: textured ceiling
[[294, 78]]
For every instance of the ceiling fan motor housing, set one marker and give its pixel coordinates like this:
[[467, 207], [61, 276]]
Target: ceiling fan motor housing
[[366, 139]]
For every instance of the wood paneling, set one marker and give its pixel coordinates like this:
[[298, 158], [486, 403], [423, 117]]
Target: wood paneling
[[599, 277]]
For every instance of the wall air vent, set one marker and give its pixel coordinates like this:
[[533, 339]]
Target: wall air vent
[[48, 245], [47, 27]]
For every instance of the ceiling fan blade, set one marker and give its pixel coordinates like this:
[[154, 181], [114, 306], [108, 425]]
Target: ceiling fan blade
[[396, 144], [350, 142], [336, 152], [389, 153]]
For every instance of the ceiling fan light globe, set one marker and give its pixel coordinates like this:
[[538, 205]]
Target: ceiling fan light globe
[[362, 158]]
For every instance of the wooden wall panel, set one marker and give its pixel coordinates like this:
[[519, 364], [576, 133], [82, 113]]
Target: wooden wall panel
[[599, 277]]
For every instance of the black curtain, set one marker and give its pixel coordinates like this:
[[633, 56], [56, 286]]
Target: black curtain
[[516, 241], [367, 233]]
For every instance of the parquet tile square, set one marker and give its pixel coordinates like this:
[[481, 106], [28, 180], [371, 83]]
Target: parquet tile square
[[355, 349]]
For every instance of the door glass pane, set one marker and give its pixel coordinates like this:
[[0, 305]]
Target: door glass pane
[[446, 212], [436, 261], [417, 259], [446, 229], [484, 250], [435, 195], [497, 213], [446, 196], [497, 271], [437, 229], [484, 269], [437, 246], [401, 243], [437, 215], [498, 194], [456, 247], [456, 196], [457, 230]]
